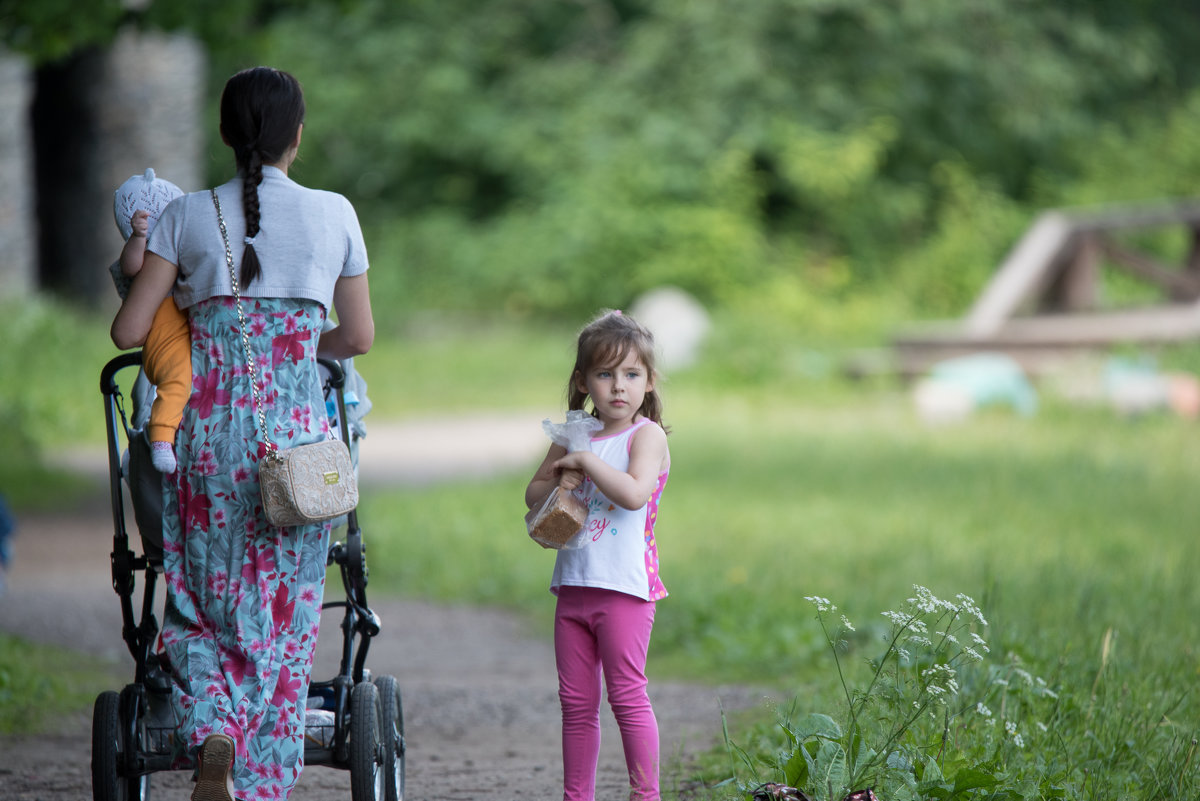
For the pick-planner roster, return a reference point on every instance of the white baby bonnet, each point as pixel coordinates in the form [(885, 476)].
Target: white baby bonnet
[(142, 192)]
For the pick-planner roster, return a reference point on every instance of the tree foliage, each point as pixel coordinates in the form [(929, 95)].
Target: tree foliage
[(552, 157), (557, 156)]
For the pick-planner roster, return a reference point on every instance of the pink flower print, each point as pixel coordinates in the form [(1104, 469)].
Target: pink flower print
[(217, 582), (196, 512), (290, 649), (287, 688), (257, 326), (302, 417), (241, 474), (206, 392), (259, 562), (206, 462), (234, 730), (309, 596), (238, 665), (282, 609)]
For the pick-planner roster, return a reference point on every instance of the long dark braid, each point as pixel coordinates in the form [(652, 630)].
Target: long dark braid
[(261, 111)]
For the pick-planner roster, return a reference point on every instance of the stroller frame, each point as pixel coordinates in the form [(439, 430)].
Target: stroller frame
[(131, 729)]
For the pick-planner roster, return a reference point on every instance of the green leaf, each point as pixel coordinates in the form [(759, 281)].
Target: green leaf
[(797, 768), (816, 725), (973, 779), (830, 769)]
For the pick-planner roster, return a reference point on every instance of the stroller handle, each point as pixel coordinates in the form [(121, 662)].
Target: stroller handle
[(108, 384)]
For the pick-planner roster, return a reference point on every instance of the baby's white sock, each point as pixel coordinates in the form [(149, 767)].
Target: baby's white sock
[(162, 456)]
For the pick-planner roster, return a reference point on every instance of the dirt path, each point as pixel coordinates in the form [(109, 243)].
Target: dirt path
[(479, 690)]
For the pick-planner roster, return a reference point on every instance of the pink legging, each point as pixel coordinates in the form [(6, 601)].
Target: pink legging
[(596, 629)]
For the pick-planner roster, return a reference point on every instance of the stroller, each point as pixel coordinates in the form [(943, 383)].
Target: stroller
[(353, 721)]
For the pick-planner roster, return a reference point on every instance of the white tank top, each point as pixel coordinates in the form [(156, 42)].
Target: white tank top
[(622, 553)]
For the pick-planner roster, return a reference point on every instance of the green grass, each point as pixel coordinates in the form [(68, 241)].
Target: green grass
[(40, 685), (1068, 529), (1071, 529)]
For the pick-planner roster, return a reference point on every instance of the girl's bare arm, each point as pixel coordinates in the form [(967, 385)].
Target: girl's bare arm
[(631, 490), (546, 478)]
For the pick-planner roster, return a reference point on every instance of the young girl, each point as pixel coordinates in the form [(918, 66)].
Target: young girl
[(607, 589)]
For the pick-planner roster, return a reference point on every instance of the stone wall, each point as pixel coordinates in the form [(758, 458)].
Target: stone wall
[(144, 107), (18, 224)]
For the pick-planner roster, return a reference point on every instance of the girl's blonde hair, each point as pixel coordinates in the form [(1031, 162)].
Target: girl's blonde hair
[(606, 341)]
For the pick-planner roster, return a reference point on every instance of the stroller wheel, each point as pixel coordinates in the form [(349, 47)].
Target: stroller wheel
[(366, 777), (392, 736), (110, 748)]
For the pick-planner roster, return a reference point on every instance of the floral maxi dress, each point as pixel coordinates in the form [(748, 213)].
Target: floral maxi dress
[(244, 598)]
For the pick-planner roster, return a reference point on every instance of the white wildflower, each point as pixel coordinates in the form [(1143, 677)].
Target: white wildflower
[(1024, 674), (968, 605), (949, 606), (940, 679), (1043, 726), (822, 604), (1010, 727), (971, 652), (926, 601), (949, 637), (1018, 741), (920, 640), (980, 642), (846, 622), (1000, 682), (983, 710)]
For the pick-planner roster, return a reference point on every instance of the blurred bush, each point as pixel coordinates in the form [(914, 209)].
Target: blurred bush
[(549, 158)]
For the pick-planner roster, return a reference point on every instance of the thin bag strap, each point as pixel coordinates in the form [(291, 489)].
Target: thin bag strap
[(272, 448)]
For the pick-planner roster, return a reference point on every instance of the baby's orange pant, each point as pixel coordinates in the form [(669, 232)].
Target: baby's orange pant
[(167, 360)]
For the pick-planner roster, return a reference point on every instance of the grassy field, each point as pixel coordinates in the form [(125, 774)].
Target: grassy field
[(1073, 531)]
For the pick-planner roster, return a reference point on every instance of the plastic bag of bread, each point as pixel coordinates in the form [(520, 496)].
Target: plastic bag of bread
[(559, 520)]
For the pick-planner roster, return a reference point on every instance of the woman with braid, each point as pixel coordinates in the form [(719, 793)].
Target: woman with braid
[(243, 597)]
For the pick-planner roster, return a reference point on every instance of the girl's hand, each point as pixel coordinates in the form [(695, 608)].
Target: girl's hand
[(570, 478)]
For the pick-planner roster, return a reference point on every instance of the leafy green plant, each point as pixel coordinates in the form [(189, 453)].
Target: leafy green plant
[(920, 726)]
